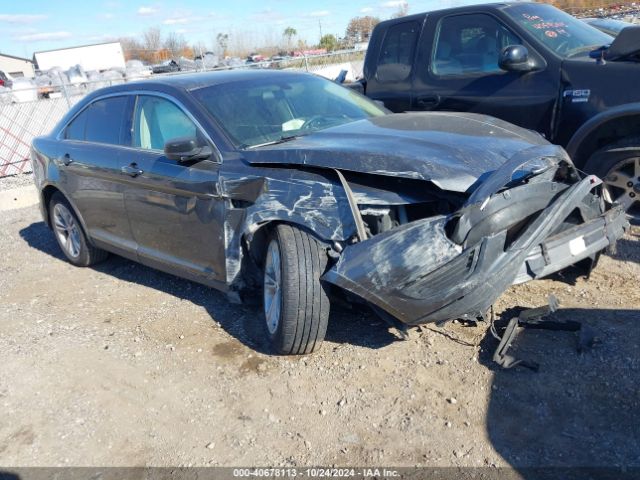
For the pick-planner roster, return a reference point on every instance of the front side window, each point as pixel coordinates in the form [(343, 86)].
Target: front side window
[(557, 30), (396, 55), (158, 120), (104, 121), (470, 45)]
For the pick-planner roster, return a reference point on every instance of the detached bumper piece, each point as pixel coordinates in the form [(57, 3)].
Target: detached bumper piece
[(418, 274), (537, 318)]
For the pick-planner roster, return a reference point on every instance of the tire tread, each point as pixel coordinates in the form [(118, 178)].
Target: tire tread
[(305, 308)]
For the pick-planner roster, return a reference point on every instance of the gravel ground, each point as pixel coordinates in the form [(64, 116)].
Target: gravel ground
[(15, 181), (122, 365)]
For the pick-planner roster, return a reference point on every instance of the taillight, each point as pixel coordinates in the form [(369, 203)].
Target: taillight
[(1, 82)]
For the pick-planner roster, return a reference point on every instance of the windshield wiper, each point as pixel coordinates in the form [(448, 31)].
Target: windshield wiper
[(282, 139)]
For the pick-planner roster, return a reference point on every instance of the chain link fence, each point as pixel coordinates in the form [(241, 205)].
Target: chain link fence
[(26, 113)]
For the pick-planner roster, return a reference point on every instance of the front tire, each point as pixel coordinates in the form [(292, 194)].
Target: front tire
[(618, 165), (69, 234), (296, 304)]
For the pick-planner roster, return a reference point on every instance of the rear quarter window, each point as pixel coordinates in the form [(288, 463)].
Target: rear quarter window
[(75, 129), (396, 54), (101, 122)]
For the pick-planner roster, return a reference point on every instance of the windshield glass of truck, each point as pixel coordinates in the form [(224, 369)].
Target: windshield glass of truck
[(559, 31)]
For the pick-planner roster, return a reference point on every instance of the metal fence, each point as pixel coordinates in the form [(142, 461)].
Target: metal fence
[(25, 115)]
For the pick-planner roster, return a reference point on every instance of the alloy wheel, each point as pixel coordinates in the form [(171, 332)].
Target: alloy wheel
[(272, 287), (622, 185), (67, 230)]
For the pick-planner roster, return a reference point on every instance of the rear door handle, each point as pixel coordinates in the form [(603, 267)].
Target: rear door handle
[(67, 160), (132, 170), (430, 101)]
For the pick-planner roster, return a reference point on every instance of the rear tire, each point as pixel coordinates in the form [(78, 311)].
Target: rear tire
[(618, 164), (296, 304), (69, 234)]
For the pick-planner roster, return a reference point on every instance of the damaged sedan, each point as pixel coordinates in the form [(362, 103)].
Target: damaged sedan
[(292, 186)]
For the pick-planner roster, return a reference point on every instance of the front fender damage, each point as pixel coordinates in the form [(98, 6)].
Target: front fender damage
[(417, 274), (308, 201)]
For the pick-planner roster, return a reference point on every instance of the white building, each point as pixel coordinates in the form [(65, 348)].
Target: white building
[(100, 56), (16, 66)]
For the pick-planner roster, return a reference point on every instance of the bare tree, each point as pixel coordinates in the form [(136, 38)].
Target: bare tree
[(152, 39), (176, 44), (359, 29), (222, 39), (403, 10), (132, 48)]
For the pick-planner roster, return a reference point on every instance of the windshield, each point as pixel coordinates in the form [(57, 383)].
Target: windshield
[(559, 31), (263, 111)]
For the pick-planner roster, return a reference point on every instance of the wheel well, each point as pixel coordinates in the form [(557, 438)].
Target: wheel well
[(47, 193), (253, 247), (605, 134)]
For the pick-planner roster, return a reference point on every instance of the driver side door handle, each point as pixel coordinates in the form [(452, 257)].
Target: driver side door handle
[(132, 170)]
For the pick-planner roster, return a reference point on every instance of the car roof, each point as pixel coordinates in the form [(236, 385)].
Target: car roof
[(194, 81)]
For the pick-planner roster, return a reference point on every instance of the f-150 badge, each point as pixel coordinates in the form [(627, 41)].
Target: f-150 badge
[(577, 96)]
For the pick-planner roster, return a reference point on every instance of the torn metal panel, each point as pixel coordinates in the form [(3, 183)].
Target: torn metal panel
[(312, 201), (524, 164), (417, 274)]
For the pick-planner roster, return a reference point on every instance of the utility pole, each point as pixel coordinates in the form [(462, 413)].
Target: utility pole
[(320, 26)]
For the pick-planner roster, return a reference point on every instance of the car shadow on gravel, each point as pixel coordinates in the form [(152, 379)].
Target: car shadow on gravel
[(578, 410), (355, 325), (627, 250)]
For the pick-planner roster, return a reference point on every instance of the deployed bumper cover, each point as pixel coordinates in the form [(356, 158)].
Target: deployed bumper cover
[(417, 274)]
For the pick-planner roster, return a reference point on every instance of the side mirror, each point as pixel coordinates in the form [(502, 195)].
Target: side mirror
[(186, 149), (515, 58)]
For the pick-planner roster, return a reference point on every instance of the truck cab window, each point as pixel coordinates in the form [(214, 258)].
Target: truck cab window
[(396, 54), (470, 45)]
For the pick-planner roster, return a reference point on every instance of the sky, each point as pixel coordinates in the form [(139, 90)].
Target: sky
[(35, 25)]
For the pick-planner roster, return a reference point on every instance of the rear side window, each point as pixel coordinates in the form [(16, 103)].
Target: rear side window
[(396, 55), (103, 121)]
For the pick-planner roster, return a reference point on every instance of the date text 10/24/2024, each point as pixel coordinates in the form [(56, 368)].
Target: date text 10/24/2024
[(315, 472)]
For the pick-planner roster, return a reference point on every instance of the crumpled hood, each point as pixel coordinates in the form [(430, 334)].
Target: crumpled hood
[(452, 150)]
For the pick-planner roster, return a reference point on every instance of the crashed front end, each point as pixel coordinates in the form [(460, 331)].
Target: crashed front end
[(528, 219)]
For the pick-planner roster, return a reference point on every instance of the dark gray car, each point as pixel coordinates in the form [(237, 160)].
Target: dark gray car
[(294, 185)]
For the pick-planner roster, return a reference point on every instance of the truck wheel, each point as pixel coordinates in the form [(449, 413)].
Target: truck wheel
[(618, 165), (70, 235), (296, 305)]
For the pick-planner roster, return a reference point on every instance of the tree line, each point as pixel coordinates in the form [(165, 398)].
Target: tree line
[(153, 46)]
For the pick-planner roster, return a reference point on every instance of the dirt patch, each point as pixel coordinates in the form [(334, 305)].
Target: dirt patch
[(123, 365)]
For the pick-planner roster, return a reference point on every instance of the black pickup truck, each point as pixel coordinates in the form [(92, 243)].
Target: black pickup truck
[(527, 63)]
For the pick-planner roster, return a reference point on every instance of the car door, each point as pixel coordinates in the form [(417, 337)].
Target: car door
[(457, 70), (174, 208), (91, 150)]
